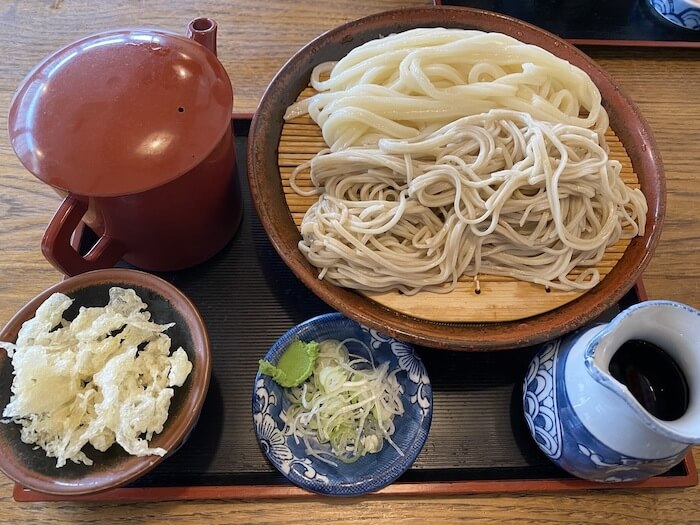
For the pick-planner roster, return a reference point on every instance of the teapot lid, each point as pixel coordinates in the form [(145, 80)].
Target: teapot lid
[(120, 112)]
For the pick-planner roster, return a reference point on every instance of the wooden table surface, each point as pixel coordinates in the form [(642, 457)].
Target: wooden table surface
[(255, 39)]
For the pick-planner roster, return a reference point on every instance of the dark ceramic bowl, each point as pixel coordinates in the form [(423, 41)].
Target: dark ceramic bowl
[(268, 195), (31, 467)]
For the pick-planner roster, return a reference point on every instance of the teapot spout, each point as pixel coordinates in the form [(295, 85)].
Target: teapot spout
[(674, 329), (203, 31)]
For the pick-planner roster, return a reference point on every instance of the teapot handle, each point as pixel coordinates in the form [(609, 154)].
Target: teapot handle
[(56, 243)]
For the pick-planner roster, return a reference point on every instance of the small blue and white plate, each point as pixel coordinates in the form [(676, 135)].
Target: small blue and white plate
[(683, 13), (372, 471)]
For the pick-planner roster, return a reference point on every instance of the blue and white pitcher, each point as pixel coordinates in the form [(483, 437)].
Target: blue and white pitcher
[(590, 423)]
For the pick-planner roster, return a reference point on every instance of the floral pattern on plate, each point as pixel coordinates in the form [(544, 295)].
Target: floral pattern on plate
[(373, 471)]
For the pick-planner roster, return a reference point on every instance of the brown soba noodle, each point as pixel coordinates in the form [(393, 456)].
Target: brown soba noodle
[(455, 152)]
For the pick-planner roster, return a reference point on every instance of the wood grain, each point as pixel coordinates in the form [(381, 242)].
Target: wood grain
[(255, 39)]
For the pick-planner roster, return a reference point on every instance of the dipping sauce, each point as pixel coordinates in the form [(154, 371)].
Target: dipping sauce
[(653, 378)]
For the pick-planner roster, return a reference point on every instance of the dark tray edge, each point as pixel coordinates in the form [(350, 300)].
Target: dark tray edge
[(612, 42), (136, 494)]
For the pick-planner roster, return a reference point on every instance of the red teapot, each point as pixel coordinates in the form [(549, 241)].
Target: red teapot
[(133, 128)]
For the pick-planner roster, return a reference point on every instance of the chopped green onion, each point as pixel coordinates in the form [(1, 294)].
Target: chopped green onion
[(347, 402)]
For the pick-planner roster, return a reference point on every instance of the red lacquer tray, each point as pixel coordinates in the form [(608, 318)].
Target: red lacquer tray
[(248, 298)]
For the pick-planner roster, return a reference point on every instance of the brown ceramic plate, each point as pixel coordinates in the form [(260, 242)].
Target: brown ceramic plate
[(268, 196), (31, 467)]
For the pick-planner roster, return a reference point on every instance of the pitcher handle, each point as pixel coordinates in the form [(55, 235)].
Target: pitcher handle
[(56, 245)]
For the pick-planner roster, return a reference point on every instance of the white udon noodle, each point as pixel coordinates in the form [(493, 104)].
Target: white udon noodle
[(413, 195)]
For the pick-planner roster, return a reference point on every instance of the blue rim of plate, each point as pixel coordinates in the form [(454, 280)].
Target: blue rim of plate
[(377, 470)]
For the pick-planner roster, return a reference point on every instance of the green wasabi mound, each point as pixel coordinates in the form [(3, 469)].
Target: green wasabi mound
[(294, 366)]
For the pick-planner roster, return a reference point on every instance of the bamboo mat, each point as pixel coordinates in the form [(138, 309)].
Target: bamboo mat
[(497, 298)]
